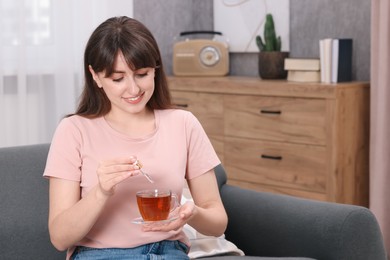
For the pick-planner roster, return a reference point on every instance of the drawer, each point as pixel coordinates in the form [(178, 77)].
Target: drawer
[(280, 190), (208, 108), (276, 164), (285, 119)]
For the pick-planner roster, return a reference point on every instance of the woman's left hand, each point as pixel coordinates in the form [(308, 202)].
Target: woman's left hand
[(185, 213)]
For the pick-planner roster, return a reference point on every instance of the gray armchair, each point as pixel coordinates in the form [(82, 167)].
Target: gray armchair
[(263, 225)]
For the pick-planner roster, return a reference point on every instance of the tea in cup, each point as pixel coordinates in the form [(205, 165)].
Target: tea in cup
[(155, 205)]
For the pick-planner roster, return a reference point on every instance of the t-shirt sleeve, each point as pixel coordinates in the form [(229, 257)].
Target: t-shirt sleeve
[(201, 154), (64, 159)]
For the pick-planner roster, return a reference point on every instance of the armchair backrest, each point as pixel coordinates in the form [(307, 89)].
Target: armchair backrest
[(221, 176), (24, 204)]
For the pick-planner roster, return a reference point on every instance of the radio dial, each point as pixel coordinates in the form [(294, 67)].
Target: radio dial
[(209, 56)]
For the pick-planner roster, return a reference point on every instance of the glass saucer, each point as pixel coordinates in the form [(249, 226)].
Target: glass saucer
[(159, 222)]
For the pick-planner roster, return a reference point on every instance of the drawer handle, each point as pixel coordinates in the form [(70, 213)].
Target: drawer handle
[(181, 105), (275, 112), (264, 156)]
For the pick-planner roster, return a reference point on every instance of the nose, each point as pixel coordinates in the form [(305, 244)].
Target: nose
[(132, 86)]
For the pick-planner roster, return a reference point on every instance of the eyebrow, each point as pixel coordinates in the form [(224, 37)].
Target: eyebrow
[(114, 72), (122, 72), (117, 71)]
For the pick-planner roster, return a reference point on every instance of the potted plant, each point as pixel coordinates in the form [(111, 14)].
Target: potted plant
[(271, 58)]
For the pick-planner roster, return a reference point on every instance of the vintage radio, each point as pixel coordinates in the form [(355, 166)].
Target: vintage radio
[(201, 57)]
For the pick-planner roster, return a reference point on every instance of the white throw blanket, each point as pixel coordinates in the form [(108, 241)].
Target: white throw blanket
[(202, 245)]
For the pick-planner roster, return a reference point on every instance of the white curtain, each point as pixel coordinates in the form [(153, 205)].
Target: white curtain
[(41, 56)]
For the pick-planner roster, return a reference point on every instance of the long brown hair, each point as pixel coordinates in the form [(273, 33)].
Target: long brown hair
[(139, 49)]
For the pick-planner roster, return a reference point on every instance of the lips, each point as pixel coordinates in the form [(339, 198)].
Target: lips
[(134, 100)]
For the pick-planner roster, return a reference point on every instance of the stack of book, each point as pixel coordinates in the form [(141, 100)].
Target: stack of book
[(336, 60), (302, 69)]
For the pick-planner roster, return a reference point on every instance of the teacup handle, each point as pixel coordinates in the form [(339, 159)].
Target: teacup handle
[(174, 202)]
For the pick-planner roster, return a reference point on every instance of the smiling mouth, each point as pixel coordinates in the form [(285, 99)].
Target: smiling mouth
[(134, 99)]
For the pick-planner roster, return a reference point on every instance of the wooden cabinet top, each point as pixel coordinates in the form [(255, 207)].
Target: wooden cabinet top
[(257, 86)]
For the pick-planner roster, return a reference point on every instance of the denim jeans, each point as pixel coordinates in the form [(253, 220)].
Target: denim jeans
[(163, 250)]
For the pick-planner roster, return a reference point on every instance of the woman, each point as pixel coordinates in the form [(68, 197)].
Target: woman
[(125, 115)]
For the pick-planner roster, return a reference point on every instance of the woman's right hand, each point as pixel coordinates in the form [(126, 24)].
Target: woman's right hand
[(112, 172), (71, 218)]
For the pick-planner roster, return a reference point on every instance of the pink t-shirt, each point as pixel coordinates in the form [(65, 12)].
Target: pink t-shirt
[(178, 149)]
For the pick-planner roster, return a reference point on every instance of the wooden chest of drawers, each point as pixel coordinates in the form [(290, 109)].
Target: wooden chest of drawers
[(303, 139)]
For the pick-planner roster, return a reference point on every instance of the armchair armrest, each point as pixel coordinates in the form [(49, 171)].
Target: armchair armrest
[(265, 224)]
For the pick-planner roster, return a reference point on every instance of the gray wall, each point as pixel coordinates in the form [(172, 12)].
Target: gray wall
[(310, 21)]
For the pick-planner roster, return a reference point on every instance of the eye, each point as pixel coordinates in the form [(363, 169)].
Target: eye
[(143, 72), (118, 79), (141, 75)]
